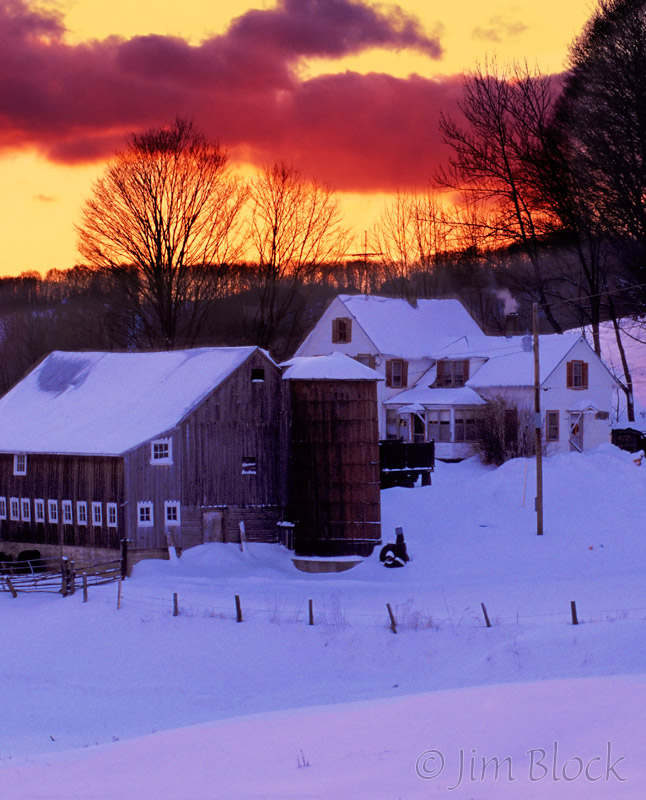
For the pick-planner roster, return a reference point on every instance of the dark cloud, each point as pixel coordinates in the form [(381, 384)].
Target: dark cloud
[(75, 103)]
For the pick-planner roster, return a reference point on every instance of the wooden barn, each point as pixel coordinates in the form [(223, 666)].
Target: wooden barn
[(182, 446)]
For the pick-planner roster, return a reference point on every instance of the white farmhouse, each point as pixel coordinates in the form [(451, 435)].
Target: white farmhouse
[(440, 371)]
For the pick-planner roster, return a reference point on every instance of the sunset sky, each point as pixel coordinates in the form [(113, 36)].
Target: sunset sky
[(348, 91)]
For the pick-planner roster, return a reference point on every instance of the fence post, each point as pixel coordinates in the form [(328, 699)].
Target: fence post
[(64, 583), (238, 609), (71, 576), (124, 559), (14, 593), (393, 624), (486, 616), (85, 587), (311, 604), (119, 595), (575, 618), (175, 605)]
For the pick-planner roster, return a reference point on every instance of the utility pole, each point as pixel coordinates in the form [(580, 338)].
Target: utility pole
[(538, 426)]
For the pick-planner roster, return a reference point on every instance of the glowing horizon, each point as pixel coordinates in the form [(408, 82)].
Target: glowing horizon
[(348, 91)]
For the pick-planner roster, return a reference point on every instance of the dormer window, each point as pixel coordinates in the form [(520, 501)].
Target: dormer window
[(20, 464), (452, 374), (257, 374), (161, 451), (341, 330)]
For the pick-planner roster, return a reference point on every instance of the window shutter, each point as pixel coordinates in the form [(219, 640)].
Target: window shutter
[(372, 362), (348, 330), (465, 370), (569, 381), (584, 374), (335, 331), (389, 373), (404, 374), (439, 380)]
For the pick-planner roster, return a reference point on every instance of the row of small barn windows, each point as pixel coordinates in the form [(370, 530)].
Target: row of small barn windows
[(20, 511)]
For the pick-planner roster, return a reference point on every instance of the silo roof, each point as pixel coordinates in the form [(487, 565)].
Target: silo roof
[(334, 367)]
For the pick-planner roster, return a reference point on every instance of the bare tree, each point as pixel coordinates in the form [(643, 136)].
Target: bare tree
[(295, 227), (494, 162), (163, 222)]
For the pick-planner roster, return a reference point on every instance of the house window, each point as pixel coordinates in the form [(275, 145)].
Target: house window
[(397, 373), (341, 330), (258, 374), (68, 519), (145, 517), (52, 511), (172, 512), (81, 512), (39, 510), (452, 374), (97, 514), (14, 509), (25, 509), (577, 375), (551, 426), (465, 428), (248, 465), (3, 508), (161, 451), (439, 425), (20, 464), (366, 359), (111, 510)]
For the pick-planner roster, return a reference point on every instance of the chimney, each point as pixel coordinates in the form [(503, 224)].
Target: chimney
[(512, 324)]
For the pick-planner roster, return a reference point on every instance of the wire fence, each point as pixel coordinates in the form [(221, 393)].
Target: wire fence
[(333, 613)]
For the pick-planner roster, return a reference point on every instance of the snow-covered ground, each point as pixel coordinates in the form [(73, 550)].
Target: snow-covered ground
[(136, 703)]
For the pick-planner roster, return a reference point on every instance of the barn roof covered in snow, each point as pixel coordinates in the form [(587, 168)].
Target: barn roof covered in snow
[(335, 367), (399, 328), (101, 403)]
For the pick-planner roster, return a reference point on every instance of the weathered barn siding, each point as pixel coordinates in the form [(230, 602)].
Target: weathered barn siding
[(149, 482), (335, 499), (74, 478), (211, 470)]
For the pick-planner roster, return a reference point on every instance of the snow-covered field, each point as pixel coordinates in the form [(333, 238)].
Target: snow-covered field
[(98, 702)]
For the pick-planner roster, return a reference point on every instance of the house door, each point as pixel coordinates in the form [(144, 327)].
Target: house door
[(576, 432), (212, 527)]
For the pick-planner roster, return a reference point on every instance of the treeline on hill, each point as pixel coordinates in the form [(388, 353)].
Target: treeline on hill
[(87, 309)]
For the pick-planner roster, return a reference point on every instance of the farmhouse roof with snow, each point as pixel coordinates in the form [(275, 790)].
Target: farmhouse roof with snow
[(102, 403), (398, 328), (510, 361)]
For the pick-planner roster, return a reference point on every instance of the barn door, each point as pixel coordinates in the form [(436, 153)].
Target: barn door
[(212, 527), (576, 432)]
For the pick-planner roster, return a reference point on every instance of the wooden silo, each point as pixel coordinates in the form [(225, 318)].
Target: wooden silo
[(334, 475)]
